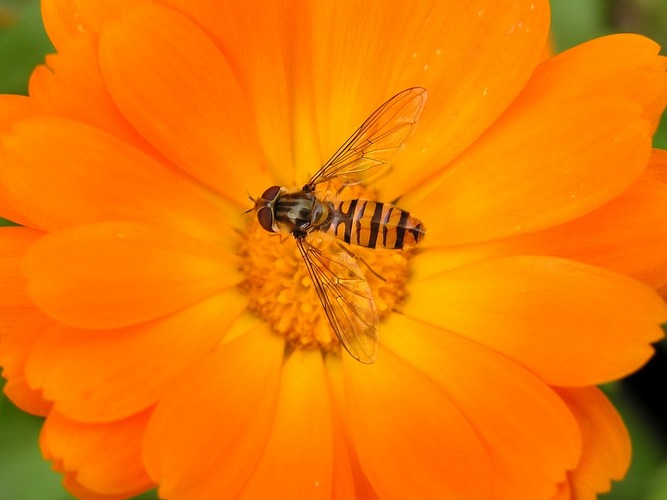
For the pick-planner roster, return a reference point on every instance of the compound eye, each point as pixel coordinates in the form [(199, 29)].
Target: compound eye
[(265, 218), (271, 193)]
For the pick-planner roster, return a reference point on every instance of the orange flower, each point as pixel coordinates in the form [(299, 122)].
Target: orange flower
[(131, 312)]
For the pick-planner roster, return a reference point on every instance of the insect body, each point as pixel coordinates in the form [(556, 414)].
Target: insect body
[(370, 224), (373, 224), (340, 285)]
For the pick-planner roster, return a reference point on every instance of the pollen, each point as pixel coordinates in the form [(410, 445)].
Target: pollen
[(281, 291)]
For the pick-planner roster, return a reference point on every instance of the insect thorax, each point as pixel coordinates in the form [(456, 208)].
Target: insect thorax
[(300, 211)]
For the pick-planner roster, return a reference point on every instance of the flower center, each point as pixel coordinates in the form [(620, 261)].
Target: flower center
[(281, 291)]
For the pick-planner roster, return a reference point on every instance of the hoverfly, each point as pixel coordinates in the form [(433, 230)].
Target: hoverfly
[(341, 287)]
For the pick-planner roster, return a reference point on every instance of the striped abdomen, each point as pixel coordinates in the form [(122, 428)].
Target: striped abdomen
[(374, 224)]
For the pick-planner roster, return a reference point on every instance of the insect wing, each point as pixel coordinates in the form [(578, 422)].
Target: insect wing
[(346, 298), (368, 152)]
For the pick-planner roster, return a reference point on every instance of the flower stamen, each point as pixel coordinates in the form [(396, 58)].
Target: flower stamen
[(281, 291)]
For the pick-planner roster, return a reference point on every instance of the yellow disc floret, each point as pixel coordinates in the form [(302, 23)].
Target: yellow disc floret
[(281, 291)]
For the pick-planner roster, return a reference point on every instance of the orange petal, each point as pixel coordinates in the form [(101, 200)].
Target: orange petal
[(657, 167), (217, 418), (20, 321), (258, 39), (303, 61), (403, 425), (24, 397), (514, 180), (14, 241), (563, 493), (110, 275), (175, 86), (531, 171), (70, 85), (349, 481), (104, 458), (82, 370), (298, 458), (606, 443), (77, 490), (473, 58), (102, 179), (15, 347), (531, 442), (71, 19), (570, 323), (627, 236), (8, 209), (12, 108), (622, 65)]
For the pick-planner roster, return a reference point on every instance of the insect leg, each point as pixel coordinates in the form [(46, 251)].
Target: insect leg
[(356, 257)]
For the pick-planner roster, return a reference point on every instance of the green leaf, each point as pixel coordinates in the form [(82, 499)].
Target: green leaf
[(24, 474), (23, 44)]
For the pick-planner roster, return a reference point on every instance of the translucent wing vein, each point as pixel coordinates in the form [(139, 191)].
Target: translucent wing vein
[(368, 152), (346, 298)]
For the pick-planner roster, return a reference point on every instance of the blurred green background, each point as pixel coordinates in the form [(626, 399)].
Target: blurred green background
[(24, 475)]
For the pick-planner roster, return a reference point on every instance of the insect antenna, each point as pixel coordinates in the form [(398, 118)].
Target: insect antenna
[(251, 199)]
